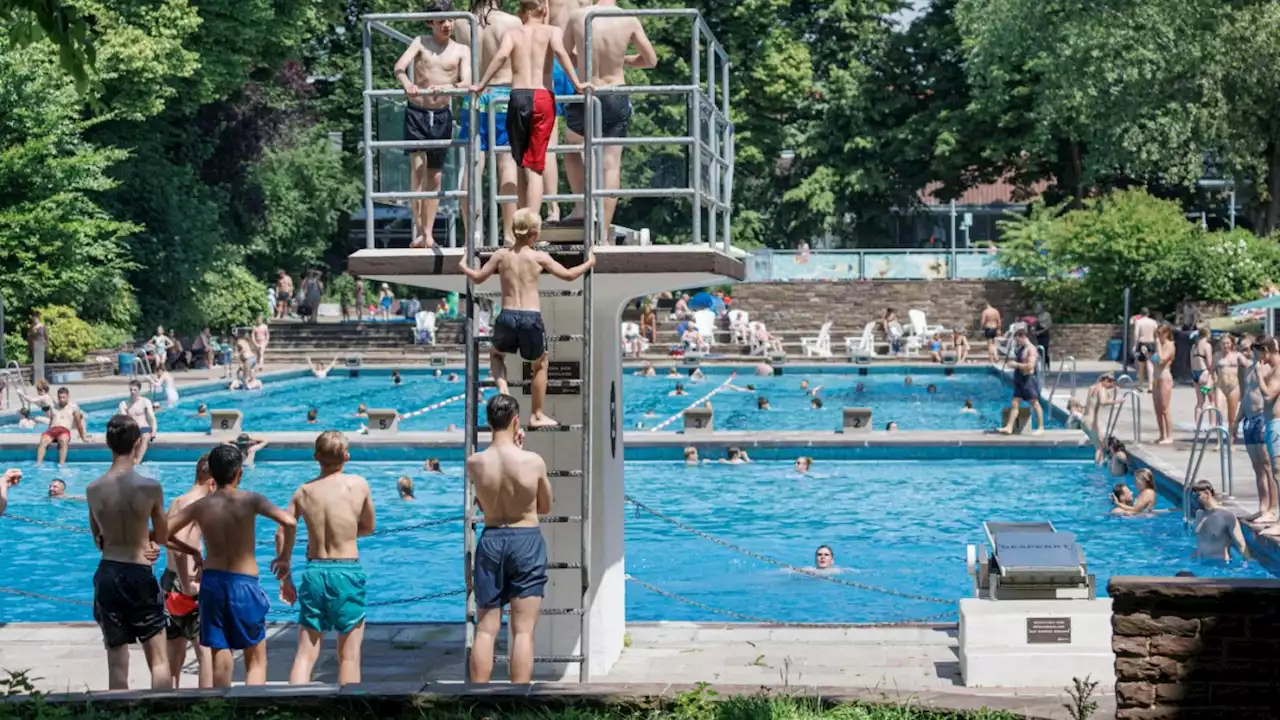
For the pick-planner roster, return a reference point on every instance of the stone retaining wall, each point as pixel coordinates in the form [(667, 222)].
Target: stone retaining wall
[(1196, 648), (1083, 342)]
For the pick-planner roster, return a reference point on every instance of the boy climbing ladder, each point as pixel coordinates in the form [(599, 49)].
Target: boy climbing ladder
[(519, 326)]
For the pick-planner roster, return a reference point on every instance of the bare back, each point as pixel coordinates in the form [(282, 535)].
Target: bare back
[(511, 486), (338, 509), (533, 50), (610, 39), (228, 519), (493, 26), (122, 508), (559, 11), (1145, 329), (518, 271), (181, 563), (991, 318)]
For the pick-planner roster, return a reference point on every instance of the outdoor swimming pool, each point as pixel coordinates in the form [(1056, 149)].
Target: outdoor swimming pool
[(282, 404), (897, 525)]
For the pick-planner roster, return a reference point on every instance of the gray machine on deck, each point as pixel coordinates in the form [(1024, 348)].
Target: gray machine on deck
[(1029, 561)]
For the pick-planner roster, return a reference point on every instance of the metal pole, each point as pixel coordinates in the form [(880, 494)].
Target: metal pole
[(368, 138), (695, 125), (1232, 210), (726, 149), (490, 118), (952, 269), (1124, 323)]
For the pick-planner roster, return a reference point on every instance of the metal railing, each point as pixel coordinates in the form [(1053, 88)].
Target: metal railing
[(13, 381), (1057, 379), (1135, 408), (1199, 445), (875, 264)]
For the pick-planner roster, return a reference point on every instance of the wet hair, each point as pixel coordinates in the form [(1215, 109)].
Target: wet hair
[(25, 412), (808, 463), (433, 464), (679, 385), (733, 452), (331, 447), (1143, 476), (859, 387), (968, 403), (122, 434), (500, 411), (135, 384), (827, 548), (1203, 486), (690, 451), (63, 391), (762, 402), (224, 464), (751, 387), (312, 414), (203, 408), (1118, 490), (404, 486), (932, 388), (202, 468), (890, 425), (527, 222), (816, 403)]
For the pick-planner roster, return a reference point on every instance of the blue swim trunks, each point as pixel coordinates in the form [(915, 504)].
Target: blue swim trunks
[(233, 611), (562, 85), (510, 563), (1272, 436), (499, 118), (331, 596), (1254, 429)]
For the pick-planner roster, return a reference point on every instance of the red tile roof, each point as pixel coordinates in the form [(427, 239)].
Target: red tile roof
[(997, 193)]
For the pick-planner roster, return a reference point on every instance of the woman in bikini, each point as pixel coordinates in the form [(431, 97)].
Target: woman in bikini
[(1202, 370), (1162, 385), (1227, 380)]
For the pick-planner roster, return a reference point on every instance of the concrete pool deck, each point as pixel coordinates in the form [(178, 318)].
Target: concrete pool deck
[(894, 664)]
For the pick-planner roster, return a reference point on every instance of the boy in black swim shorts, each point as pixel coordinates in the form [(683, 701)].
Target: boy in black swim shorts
[(519, 327)]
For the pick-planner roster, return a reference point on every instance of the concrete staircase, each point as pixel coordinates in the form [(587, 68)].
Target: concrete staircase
[(375, 342)]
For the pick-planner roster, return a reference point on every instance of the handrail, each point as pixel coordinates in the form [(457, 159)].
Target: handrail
[(1135, 408), (1057, 379), (1198, 447)]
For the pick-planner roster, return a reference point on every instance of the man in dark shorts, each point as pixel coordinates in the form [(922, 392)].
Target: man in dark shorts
[(611, 37), (1026, 383), (519, 327), (182, 587), (510, 566), (438, 63), (531, 114), (126, 519), (991, 330)]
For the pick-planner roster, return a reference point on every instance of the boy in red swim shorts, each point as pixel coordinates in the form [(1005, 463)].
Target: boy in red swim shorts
[(531, 115)]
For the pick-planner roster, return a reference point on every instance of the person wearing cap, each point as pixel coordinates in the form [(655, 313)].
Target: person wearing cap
[(1217, 528), (248, 447), (1101, 394)]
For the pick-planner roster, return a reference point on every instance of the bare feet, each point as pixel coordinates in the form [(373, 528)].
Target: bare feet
[(1253, 516), (540, 419), (1267, 518), (422, 241), (1165, 441), (1272, 531), (1038, 432), (1006, 431)]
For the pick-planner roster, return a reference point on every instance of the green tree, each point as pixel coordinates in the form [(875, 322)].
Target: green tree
[(230, 297), (63, 24), (70, 338)]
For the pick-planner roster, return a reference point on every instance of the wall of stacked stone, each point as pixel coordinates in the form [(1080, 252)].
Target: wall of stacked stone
[(1083, 342), (1196, 648)]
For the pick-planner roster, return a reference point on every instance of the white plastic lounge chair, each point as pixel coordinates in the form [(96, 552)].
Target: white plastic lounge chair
[(738, 320), (632, 342), (820, 345), (705, 322), (426, 328), (920, 324)]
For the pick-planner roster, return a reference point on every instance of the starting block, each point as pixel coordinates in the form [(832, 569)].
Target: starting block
[(225, 422), (699, 419), (856, 419), (383, 422)]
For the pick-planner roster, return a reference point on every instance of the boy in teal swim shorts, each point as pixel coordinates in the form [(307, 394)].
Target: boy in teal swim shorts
[(338, 509)]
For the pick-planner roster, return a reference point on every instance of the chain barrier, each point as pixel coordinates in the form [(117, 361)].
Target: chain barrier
[(808, 572), (43, 523), (50, 598), (419, 526), (781, 623)]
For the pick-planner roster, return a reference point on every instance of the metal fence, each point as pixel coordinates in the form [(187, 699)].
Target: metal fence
[(873, 264)]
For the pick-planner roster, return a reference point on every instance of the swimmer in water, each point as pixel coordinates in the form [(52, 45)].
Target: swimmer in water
[(1146, 501), (891, 427), (432, 465), (1117, 458), (321, 370), (968, 407), (395, 377), (453, 378), (908, 381), (859, 388), (673, 372), (697, 374), (26, 423), (734, 456), (803, 463), (763, 369), (362, 410), (647, 370), (678, 391), (691, 455), (11, 477), (1075, 413), (762, 403), (815, 403), (404, 486), (932, 389), (202, 411), (824, 558), (248, 447), (312, 416), (1217, 528)]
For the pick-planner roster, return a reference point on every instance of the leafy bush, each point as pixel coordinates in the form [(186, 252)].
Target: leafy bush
[(15, 347), (233, 297), (70, 338), (110, 337), (1080, 261)]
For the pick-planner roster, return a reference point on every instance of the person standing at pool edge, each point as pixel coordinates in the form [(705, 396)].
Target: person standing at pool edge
[(519, 326), (512, 489), (338, 510), (182, 588), (1026, 384), (1253, 427), (233, 608)]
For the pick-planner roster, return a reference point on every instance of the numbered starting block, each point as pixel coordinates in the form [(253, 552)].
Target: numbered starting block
[(860, 357), (856, 419), (699, 419), (438, 360), (692, 359), (383, 422), (949, 357), (777, 361), (1024, 418), (353, 364), (225, 422)]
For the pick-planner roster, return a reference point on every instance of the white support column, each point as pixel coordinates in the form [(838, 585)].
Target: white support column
[(607, 602)]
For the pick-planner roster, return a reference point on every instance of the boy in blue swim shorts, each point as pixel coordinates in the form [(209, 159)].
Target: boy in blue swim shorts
[(338, 509), (233, 607)]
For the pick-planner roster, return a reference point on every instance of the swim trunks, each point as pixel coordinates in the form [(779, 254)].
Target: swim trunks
[(510, 563), (499, 119), (331, 596), (521, 330), (428, 124), (990, 333), (54, 433), (1254, 429), (1145, 351), (144, 430), (563, 86), (615, 115), (233, 611), (127, 603), (1272, 437), (183, 609), (1026, 387), (531, 117), (282, 297)]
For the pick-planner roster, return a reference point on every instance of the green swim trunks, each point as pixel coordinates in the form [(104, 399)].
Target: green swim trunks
[(331, 595)]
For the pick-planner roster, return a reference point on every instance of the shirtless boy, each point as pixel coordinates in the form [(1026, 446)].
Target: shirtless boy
[(1101, 394), (519, 326), (126, 519), (284, 294), (1026, 384), (439, 63), (338, 509), (1144, 347), (990, 329), (63, 415), (531, 116), (142, 412), (611, 37), (1270, 382), (233, 607), (494, 24), (1254, 377), (558, 12), (512, 489), (181, 585)]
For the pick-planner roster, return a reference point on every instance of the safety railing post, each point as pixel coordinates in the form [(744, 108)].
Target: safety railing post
[(726, 147), (695, 125), (367, 41)]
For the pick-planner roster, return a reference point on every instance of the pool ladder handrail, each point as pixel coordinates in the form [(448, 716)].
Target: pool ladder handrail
[(140, 356), (1057, 379), (12, 370), (1199, 445), (1136, 409)]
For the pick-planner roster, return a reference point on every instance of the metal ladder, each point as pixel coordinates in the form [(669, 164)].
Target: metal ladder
[(1199, 445), (13, 381), (1057, 378), (1136, 409)]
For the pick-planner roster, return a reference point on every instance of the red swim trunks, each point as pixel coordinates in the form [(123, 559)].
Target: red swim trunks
[(54, 433), (531, 116)]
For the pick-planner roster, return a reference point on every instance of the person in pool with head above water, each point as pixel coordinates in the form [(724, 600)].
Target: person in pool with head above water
[(404, 487), (519, 327), (248, 447), (1216, 527), (531, 114), (1145, 503)]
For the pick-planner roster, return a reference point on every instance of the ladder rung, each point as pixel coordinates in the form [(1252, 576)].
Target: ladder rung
[(531, 429), (550, 338), (543, 658), (564, 566), (529, 383), (541, 293), (564, 473)]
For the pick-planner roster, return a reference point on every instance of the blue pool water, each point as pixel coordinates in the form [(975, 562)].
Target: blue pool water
[(897, 525), (282, 404)]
